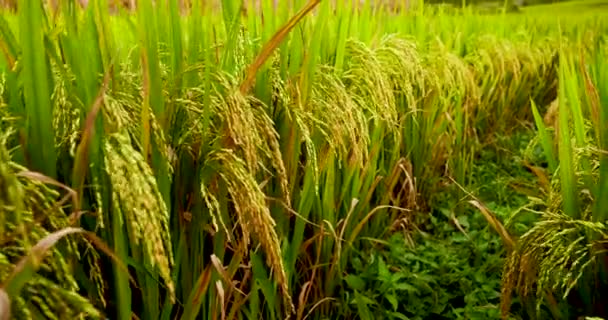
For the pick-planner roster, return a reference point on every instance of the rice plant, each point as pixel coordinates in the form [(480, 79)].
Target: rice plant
[(564, 252), (228, 160)]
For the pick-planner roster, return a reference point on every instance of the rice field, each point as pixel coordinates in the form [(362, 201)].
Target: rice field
[(305, 160)]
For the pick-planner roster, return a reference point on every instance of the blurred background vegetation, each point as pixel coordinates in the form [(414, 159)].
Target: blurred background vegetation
[(406, 3)]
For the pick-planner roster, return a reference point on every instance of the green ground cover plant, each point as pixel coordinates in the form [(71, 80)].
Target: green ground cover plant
[(312, 160)]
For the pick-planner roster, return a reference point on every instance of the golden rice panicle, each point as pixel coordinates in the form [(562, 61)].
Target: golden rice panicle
[(66, 115), (34, 212), (11, 192), (509, 280), (242, 55), (453, 75), (274, 153), (213, 206), (279, 95), (247, 129), (47, 216), (20, 309), (369, 83), (285, 94), (239, 128), (333, 114), (136, 195), (452, 90), (403, 67), (56, 303), (253, 214), (551, 257)]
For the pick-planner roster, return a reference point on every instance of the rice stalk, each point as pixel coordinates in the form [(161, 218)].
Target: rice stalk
[(145, 213), (252, 212)]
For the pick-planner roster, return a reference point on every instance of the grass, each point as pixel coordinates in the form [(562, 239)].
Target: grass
[(316, 160), (568, 7)]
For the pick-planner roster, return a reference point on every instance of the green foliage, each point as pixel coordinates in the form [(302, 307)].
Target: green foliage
[(450, 267), (239, 161), (436, 279)]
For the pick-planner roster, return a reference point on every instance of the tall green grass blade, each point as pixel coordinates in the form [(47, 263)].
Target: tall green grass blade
[(574, 99), (600, 213), (566, 151), (176, 44), (195, 300), (273, 43), (343, 31), (37, 89), (545, 139), (154, 100), (8, 43), (267, 287), (312, 60), (232, 26), (120, 244)]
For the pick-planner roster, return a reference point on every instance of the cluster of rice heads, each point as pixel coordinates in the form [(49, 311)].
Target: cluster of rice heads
[(562, 257), (29, 211), (510, 73), (193, 181)]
